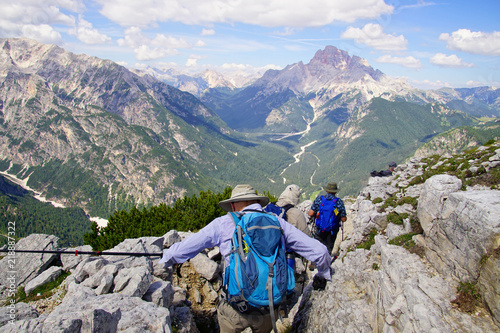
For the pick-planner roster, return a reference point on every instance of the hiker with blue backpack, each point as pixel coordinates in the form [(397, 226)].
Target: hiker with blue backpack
[(285, 208), (329, 212), (256, 275)]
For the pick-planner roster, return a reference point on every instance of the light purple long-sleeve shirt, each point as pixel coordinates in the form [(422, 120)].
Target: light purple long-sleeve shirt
[(220, 231)]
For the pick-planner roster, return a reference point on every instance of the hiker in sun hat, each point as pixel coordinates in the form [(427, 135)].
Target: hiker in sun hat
[(329, 236), (219, 233)]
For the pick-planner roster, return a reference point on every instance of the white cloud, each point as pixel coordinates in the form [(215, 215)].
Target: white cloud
[(86, 33), (207, 32), (442, 60), (409, 62), (193, 60), (269, 13), (133, 38), (150, 49), (373, 35), (145, 53), (474, 83), (42, 33), (476, 42), (169, 42), (33, 19), (427, 84), (200, 43)]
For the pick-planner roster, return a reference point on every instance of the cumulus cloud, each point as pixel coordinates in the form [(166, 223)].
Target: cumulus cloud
[(443, 60), (43, 33), (170, 42), (373, 35), (86, 33), (409, 62), (472, 83), (145, 53), (200, 43), (33, 19), (476, 42), (133, 38), (146, 48), (193, 60), (274, 13)]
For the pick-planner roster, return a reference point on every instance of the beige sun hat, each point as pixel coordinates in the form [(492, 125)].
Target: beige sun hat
[(243, 193), (291, 195), (331, 187)]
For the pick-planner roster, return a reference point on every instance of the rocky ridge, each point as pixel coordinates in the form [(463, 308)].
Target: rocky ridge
[(414, 248), (411, 242)]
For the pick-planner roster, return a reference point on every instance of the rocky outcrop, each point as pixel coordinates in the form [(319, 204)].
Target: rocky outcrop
[(422, 255), (27, 266)]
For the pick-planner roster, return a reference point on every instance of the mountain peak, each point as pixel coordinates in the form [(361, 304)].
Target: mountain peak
[(331, 56)]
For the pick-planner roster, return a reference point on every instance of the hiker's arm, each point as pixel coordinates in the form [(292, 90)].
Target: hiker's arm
[(191, 246), (314, 207), (342, 211), (309, 248)]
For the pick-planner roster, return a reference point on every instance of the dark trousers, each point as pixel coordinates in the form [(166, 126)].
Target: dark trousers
[(328, 238)]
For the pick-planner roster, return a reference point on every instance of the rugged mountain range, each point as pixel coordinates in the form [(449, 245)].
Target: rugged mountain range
[(89, 132), (86, 131), (198, 83), (332, 81)]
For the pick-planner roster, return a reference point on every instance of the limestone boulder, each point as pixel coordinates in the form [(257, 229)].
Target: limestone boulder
[(70, 261), (150, 245), (434, 193), (29, 265), (133, 281), (49, 275), (205, 267)]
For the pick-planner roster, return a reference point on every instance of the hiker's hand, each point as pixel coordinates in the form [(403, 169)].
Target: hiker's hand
[(166, 263), (319, 282)]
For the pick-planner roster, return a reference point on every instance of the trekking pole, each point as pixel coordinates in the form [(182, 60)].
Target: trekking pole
[(96, 253)]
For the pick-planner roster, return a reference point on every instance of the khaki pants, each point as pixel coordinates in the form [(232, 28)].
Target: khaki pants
[(231, 320)]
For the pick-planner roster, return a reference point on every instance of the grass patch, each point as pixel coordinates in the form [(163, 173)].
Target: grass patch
[(369, 240), (468, 297), (394, 202), (377, 200), (460, 167), (495, 254), (41, 292), (396, 218), (408, 243)]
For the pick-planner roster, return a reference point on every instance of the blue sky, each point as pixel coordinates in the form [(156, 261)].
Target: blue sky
[(432, 44)]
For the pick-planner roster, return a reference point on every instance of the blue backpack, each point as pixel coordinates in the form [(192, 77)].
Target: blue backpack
[(328, 217), (258, 274), (280, 211)]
